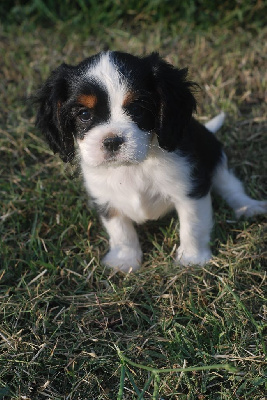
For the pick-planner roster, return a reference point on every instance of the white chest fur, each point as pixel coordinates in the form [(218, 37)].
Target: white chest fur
[(144, 191)]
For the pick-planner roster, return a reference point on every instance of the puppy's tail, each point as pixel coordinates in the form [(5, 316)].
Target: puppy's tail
[(232, 191), (216, 123), (229, 186)]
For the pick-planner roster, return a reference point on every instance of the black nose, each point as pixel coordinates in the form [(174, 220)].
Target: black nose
[(112, 144)]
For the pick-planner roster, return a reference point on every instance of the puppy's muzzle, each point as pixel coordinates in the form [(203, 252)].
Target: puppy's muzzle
[(113, 144)]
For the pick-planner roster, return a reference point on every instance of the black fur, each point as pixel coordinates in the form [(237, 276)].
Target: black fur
[(50, 98), (167, 95), (177, 102)]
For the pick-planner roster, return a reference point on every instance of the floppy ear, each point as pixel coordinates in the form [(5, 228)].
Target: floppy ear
[(49, 120), (177, 102)]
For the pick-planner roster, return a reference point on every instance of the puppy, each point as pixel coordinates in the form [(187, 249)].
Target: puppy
[(129, 121)]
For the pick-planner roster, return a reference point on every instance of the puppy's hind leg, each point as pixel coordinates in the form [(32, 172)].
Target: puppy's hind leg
[(232, 191)]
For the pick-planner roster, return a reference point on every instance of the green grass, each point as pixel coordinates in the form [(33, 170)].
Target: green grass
[(95, 15), (71, 329)]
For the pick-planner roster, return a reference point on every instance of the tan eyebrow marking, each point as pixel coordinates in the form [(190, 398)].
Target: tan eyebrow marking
[(88, 100), (130, 96)]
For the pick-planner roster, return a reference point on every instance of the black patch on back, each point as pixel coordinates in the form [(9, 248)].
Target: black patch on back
[(204, 153)]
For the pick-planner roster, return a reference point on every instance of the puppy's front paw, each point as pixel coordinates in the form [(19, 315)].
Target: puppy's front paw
[(185, 258), (125, 259)]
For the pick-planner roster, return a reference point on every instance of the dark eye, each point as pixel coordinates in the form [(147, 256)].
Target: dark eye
[(136, 110), (85, 116)]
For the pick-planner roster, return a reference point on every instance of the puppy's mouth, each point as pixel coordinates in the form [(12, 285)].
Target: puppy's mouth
[(117, 160)]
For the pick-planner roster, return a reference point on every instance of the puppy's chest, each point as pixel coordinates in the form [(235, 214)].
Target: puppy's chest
[(132, 194), (142, 205)]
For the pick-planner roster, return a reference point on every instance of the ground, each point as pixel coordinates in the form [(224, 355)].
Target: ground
[(64, 318)]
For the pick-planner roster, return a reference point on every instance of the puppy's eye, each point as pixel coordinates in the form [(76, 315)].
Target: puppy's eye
[(85, 116), (136, 110)]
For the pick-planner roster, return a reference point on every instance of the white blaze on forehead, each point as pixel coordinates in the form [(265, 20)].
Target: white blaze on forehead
[(106, 74)]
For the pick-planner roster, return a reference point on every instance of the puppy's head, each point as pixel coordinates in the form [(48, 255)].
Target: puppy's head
[(111, 105)]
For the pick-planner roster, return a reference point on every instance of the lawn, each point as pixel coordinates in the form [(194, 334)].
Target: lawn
[(71, 329)]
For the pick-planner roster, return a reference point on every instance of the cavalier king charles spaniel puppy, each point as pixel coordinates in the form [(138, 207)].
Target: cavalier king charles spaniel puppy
[(128, 121)]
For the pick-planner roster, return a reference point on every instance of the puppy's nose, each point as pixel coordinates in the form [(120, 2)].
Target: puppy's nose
[(112, 144)]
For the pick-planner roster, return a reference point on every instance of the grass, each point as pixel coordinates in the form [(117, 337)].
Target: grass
[(95, 15), (71, 329)]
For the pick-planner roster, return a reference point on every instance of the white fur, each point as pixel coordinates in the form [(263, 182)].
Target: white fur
[(146, 191), (145, 182), (134, 150), (108, 76), (131, 189), (125, 251), (195, 218)]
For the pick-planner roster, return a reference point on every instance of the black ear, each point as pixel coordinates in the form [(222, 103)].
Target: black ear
[(177, 102), (50, 120)]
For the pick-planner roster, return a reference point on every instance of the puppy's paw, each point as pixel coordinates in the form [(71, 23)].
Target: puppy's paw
[(185, 258), (255, 207), (124, 259)]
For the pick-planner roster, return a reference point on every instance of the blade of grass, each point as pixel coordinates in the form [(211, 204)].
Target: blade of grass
[(122, 379), (157, 371)]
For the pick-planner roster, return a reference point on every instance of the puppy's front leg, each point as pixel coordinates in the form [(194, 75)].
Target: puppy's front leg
[(125, 253), (195, 216)]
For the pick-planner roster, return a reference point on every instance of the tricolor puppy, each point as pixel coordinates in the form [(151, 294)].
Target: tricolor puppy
[(129, 121)]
